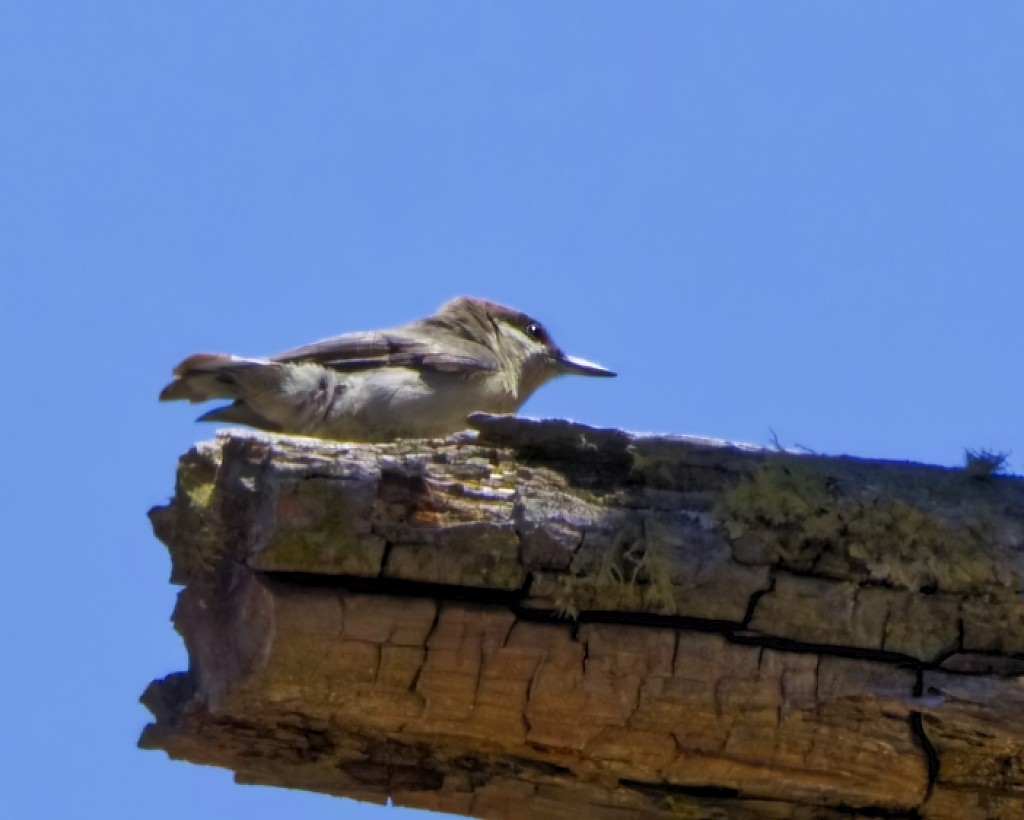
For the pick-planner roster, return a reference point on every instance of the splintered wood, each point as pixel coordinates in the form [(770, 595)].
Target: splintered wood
[(553, 621)]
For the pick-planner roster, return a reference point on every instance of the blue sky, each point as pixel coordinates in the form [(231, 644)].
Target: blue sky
[(798, 216)]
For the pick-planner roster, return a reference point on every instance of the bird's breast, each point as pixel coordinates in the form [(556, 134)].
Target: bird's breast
[(406, 403)]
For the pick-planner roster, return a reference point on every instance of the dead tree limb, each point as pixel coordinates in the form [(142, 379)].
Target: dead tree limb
[(548, 620)]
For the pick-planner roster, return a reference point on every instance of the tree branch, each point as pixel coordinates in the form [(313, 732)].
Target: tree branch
[(552, 620)]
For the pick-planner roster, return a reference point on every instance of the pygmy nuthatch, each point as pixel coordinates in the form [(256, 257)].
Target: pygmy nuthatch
[(418, 380)]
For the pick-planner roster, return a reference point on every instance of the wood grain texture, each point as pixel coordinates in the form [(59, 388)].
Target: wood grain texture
[(548, 620)]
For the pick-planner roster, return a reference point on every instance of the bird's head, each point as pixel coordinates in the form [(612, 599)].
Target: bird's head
[(522, 344)]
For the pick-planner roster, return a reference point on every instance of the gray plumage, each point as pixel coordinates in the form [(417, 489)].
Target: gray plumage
[(418, 380)]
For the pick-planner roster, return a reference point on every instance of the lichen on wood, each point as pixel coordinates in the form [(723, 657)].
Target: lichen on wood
[(543, 619)]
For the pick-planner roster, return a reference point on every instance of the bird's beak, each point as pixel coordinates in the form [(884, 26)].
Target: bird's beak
[(570, 365)]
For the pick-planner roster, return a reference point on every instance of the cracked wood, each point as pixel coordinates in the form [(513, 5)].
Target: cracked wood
[(545, 617)]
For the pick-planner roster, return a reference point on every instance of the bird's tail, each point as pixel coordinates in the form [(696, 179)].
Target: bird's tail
[(207, 376)]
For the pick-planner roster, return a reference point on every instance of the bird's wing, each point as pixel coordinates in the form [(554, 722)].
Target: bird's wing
[(365, 350)]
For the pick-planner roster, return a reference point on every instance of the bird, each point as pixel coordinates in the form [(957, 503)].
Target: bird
[(418, 380)]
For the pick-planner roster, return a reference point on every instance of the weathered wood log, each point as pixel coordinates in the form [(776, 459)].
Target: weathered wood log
[(548, 620)]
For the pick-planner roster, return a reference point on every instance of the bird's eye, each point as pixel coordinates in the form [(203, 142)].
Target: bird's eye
[(535, 330)]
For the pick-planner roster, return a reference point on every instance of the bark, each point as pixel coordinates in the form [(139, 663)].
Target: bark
[(547, 620)]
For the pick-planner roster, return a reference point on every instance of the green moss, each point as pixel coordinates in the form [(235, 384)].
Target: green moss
[(794, 506), (196, 511), (630, 573), (324, 550), (983, 464), (505, 573), (791, 513), (321, 528), (197, 483)]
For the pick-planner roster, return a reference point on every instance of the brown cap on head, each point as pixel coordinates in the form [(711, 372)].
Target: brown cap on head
[(569, 365)]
